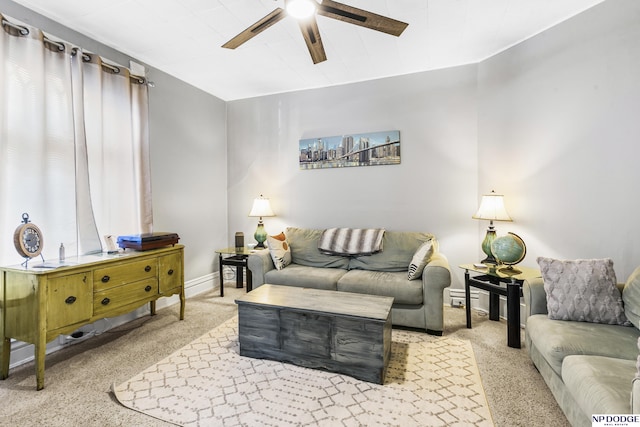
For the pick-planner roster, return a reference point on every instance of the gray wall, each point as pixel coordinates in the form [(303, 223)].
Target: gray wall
[(189, 169), (433, 189), (558, 133), (188, 152), (552, 123)]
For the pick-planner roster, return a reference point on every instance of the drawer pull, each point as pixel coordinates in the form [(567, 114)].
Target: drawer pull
[(148, 288), (70, 300), (170, 272), (105, 301), (147, 268), (105, 279)]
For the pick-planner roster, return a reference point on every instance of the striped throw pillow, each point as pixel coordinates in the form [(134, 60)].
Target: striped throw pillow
[(420, 259)]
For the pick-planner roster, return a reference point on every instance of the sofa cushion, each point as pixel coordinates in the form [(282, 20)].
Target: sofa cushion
[(304, 249), (556, 340), (383, 283), (305, 276), (599, 385), (279, 250), (631, 298), (635, 388), (420, 259), (583, 290), (398, 248)]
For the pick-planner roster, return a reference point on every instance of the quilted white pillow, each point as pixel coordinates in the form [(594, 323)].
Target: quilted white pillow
[(582, 290), (420, 259), (279, 250)]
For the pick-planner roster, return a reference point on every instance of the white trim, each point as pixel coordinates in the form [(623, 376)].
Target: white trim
[(457, 297)]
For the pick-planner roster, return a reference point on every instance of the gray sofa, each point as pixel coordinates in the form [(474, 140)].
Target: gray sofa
[(417, 303), (589, 367)]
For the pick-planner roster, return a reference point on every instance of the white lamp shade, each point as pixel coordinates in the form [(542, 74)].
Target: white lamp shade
[(492, 208), (261, 207)]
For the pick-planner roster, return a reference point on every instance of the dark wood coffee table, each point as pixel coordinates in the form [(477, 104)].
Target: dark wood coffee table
[(340, 332)]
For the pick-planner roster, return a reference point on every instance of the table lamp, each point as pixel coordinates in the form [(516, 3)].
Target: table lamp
[(261, 207), (491, 208)]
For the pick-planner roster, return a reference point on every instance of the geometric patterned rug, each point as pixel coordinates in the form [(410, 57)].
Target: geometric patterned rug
[(431, 381)]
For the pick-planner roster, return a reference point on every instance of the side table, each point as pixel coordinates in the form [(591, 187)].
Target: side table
[(237, 257), (499, 281)]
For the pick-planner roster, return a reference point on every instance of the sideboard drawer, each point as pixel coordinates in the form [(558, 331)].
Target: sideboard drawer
[(109, 277), (69, 300), (110, 299), (170, 274)]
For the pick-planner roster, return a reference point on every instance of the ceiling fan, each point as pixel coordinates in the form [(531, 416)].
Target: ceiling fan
[(305, 11)]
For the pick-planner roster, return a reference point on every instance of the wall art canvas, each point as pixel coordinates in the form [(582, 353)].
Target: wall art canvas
[(363, 149)]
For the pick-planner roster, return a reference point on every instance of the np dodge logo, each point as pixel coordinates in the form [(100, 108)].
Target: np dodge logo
[(617, 420)]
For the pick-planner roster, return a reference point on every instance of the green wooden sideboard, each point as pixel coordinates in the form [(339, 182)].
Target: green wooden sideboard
[(40, 301)]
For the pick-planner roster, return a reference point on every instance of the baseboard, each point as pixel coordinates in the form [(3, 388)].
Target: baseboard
[(457, 298), (480, 302), (192, 288), (22, 352)]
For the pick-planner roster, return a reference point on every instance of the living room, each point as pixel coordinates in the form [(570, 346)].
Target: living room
[(530, 123), (550, 123)]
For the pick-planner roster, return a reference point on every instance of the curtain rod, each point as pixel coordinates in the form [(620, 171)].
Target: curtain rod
[(23, 30), (61, 47), (85, 57), (115, 69)]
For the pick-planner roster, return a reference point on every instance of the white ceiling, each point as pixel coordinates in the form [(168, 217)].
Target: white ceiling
[(183, 38)]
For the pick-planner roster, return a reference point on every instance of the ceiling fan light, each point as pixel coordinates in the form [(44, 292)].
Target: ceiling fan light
[(301, 9)]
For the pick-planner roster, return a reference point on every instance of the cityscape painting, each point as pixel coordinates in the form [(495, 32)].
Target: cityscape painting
[(365, 149)]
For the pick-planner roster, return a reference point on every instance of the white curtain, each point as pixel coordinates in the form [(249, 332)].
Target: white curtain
[(115, 108), (73, 145)]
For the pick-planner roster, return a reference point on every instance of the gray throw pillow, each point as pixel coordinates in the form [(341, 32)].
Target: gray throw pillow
[(582, 290)]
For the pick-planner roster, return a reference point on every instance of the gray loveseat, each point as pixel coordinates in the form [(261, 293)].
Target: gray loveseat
[(417, 303), (589, 367)]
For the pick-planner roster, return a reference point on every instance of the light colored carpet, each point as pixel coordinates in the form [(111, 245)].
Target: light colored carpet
[(78, 378), (431, 381)]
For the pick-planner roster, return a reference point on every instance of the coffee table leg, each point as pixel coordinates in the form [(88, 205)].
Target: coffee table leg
[(513, 314)]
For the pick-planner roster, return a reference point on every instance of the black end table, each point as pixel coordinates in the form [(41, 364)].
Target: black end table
[(499, 280), (237, 257)]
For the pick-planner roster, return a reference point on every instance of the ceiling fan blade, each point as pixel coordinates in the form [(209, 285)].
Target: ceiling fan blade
[(353, 15), (256, 28), (311, 34)]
